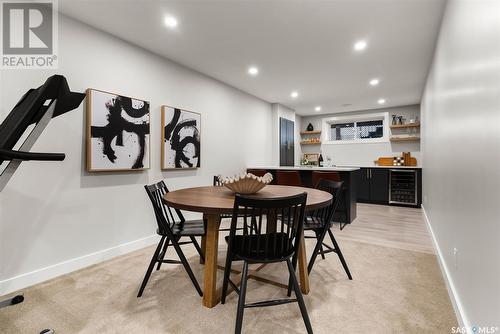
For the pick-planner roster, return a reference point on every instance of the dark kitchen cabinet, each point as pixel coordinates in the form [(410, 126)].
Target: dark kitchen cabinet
[(287, 140), (362, 185), (379, 185), (373, 185)]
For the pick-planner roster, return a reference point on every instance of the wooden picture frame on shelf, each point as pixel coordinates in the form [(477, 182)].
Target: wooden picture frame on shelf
[(312, 157)]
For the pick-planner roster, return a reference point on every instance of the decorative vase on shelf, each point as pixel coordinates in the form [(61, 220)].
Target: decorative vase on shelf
[(310, 127), (394, 120)]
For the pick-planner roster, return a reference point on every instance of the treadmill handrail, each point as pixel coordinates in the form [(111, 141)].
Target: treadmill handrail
[(26, 156)]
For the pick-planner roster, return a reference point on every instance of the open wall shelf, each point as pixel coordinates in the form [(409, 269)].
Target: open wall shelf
[(405, 126), (409, 132), (407, 138), (310, 132), (311, 137)]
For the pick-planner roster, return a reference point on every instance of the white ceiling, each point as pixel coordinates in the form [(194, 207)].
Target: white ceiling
[(297, 45)]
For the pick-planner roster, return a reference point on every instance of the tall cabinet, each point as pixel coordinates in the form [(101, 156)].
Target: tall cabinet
[(287, 142)]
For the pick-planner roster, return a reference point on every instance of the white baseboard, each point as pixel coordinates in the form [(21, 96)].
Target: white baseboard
[(455, 299), (24, 280)]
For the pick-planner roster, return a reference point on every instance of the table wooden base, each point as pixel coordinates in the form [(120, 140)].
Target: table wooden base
[(210, 297), (210, 246), (302, 264)]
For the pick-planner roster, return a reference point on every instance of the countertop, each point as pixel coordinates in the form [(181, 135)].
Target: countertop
[(392, 167), (334, 168)]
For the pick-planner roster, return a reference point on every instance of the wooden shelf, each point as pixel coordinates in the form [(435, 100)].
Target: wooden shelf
[(310, 132), (405, 126), (409, 138), (309, 143)]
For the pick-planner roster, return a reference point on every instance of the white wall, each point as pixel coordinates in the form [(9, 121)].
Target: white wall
[(55, 212), (364, 154), (278, 111), (461, 151)]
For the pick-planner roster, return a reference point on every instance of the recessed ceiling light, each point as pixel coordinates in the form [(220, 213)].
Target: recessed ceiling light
[(381, 101), (374, 82), (294, 94), (253, 70), (360, 45), (317, 108), (170, 21)]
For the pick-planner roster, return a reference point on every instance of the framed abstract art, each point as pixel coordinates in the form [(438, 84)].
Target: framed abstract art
[(118, 131), (180, 138)]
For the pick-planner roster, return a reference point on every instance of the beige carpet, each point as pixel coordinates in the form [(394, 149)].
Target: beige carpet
[(393, 291)]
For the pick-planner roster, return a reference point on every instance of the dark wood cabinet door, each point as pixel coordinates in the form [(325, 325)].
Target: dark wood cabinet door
[(287, 140), (291, 144), (363, 185), (379, 185), (283, 141)]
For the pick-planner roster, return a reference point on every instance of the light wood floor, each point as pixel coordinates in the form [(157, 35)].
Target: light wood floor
[(389, 226)]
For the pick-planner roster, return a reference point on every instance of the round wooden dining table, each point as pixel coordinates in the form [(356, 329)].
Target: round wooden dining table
[(213, 201)]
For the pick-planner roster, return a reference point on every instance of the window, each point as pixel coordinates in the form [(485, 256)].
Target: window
[(356, 128), (370, 129), (343, 131)]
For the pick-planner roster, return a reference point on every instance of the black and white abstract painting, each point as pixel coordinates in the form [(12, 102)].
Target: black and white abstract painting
[(118, 129), (180, 145)]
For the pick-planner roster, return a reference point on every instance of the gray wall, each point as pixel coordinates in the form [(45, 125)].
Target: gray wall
[(55, 217), (364, 154), (461, 151)]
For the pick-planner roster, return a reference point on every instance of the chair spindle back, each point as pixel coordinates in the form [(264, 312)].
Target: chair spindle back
[(272, 224), (166, 217), (335, 189)]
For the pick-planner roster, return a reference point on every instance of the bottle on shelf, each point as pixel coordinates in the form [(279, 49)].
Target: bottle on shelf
[(320, 160)]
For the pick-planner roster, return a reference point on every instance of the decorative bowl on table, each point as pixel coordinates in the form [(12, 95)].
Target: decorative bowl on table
[(246, 183)]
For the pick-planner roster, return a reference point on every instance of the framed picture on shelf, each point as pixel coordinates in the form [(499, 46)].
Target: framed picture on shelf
[(312, 158), (180, 138), (118, 131)]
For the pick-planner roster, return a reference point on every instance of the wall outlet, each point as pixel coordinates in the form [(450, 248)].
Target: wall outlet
[(455, 257)]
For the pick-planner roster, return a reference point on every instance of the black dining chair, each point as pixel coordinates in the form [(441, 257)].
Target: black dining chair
[(343, 206), (276, 238), (320, 222), (172, 226), (218, 183)]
